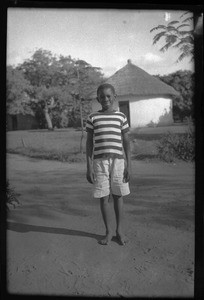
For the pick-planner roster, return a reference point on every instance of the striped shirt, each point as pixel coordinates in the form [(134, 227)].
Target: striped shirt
[(107, 128)]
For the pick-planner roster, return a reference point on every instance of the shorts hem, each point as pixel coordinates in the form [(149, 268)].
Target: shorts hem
[(111, 193), (101, 196), (121, 194)]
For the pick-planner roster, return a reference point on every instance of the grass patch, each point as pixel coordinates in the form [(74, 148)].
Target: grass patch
[(63, 144), (60, 144), (143, 149), (49, 155)]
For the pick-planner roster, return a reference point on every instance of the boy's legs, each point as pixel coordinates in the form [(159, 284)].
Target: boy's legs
[(118, 207), (119, 189), (106, 214)]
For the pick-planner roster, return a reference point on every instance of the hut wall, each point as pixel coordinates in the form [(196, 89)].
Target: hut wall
[(151, 112)]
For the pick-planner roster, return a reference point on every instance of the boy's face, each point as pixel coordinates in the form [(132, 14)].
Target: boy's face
[(106, 98)]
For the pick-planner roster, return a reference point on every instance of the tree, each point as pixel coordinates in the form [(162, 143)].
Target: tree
[(183, 82), (58, 78), (39, 69), (179, 35), (18, 93), (46, 99), (46, 74), (87, 77)]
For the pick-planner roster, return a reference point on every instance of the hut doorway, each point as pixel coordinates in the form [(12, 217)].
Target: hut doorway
[(124, 108)]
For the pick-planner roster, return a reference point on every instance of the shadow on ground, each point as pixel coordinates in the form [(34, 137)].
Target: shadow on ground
[(23, 228), (20, 227)]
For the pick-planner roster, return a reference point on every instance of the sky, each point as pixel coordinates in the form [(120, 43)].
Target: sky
[(104, 38)]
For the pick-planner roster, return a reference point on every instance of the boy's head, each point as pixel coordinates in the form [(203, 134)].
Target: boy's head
[(106, 96)]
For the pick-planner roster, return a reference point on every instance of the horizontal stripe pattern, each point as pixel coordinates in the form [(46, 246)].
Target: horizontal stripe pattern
[(113, 140), (110, 120), (107, 136), (108, 132), (107, 129), (107, 155), (101, 126), (107, 144), (101, 151), (109, 147)]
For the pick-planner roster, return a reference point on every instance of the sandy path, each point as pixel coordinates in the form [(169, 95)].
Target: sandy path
[(52, 236)]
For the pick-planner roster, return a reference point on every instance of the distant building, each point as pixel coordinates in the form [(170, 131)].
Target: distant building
[(21, 122), (145, 100)]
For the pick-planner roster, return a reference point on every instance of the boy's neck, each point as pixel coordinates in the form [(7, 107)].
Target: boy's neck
[(108, 110)]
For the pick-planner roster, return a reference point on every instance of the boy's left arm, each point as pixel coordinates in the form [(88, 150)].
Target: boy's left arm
[(126, 146)]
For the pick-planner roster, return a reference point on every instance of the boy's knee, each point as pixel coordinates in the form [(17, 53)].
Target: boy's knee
[(105, 200), (116, 197)]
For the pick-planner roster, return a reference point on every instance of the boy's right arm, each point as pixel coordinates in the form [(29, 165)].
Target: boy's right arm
[(89, 157)]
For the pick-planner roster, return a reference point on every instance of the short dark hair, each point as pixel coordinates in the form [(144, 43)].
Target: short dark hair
[(105, 86)]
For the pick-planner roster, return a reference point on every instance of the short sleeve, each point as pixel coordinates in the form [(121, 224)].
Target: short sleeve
[(125, 126), (89, 124)]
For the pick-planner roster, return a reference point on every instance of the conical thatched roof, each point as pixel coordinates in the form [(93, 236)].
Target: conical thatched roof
[(132, 80)]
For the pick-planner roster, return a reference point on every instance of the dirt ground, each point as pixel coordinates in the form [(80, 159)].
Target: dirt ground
[(52, 236)]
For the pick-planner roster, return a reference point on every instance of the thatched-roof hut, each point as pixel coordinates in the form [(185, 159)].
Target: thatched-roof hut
[(145, 100)]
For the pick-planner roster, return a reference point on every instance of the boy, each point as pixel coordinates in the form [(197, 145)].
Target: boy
[(107, 169)]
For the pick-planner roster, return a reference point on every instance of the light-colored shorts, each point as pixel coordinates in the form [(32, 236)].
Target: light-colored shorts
[(109, 175)]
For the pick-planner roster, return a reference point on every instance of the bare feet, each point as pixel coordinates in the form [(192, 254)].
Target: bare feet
[(121, 239), (107, 239)]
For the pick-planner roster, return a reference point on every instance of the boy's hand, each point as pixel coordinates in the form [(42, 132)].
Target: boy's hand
[(90, 176), (126, 175)]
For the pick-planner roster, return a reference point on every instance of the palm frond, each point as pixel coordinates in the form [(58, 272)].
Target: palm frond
[(177, 35), (189, 33), (158, 27), (186, 49), (172, 28), (184, 41), (182, 25), (172, 22), (171, 39), (158, 36), (187, 19), (181, 45), (177, 45), (185, 13), (166, 47), (181, 57), (186, 52)]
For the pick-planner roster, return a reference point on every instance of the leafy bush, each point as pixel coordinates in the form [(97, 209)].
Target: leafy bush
[(174, 146), (184, 83), (11, 195)]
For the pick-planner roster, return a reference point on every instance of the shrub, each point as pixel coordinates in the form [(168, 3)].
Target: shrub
[(11, 195), (174, 146)]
